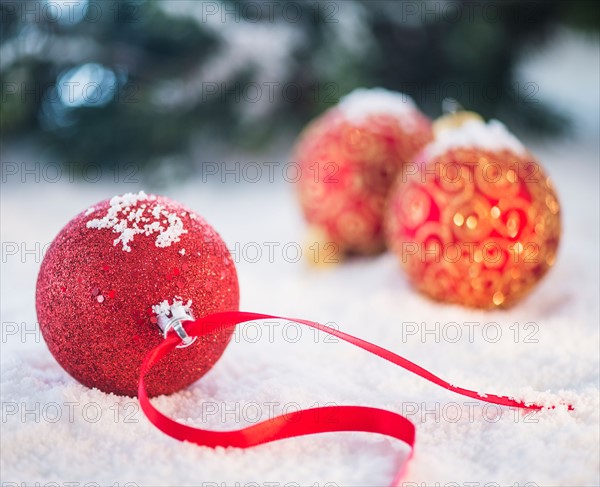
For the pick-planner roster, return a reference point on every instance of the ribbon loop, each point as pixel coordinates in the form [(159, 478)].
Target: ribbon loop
[(325, 419)]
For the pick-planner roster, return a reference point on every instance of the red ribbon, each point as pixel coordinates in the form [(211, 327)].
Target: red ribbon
[(303, 422)]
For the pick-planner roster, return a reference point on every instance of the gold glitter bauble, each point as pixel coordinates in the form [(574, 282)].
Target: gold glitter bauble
[(475, 226)]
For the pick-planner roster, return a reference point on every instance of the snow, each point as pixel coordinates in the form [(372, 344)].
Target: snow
[(493, 136), (362, 103), (164, 308), (548, 350), (165, 311), (130, 208), (56, 430)]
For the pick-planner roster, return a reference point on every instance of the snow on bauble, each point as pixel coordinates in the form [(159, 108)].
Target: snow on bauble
[(349, 158), (476, 221), (110, 274)]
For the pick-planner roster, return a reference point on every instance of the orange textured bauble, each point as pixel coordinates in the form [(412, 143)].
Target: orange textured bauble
[(477, 221), (349, 158)]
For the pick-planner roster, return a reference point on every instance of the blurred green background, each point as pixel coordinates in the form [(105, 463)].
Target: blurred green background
[(148, 81)]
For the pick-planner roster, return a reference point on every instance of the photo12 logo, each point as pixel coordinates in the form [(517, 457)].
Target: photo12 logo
[(468, 484), (69, 12), (264, 11), (267, 484), (67, 484), (269, 171), (70, 172), (465, 412), (69, 412), (472, 331)]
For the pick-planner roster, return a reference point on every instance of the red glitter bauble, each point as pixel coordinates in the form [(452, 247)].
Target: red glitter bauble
[(349, 158), (476, 223), (109, 272)]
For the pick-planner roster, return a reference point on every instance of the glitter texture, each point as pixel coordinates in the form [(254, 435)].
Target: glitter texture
[(349, 162), (94, 301)]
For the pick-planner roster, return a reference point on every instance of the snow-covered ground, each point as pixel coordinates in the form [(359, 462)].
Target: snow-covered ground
[(56, 430)]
